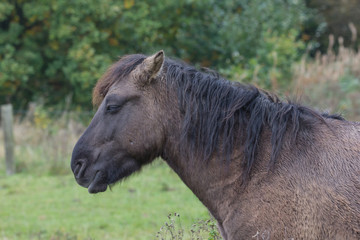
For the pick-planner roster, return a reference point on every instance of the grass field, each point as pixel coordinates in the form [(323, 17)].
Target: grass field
[(55, 207)]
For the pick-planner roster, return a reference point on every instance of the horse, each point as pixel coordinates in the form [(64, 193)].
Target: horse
[(265, 168)]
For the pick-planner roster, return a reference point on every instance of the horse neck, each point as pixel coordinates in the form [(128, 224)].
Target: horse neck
[(217, 184)]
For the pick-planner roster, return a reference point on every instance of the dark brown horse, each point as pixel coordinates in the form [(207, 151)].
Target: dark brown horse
[(264, 168)]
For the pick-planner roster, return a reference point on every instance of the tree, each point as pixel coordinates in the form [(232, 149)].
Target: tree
[(57, 49)]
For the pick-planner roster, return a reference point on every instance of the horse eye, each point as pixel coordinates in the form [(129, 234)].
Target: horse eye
[(116, 103), (113, 108)]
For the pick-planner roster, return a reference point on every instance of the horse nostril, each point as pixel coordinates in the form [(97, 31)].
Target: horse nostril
[(79, 168)]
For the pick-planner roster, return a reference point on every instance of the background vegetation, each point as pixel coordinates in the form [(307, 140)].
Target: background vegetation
[(53, 51)]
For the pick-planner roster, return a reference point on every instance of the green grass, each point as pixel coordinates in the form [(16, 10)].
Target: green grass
[(56, 207), (43, 201)]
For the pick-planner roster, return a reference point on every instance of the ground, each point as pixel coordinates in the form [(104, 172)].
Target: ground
[(55, 207)]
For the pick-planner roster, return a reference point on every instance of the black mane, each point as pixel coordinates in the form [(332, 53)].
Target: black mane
[(218, 112)]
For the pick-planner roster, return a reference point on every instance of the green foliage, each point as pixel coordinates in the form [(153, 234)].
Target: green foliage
[(51, 49), (271, 67), (340, 20), (58, 49), (264, 42)]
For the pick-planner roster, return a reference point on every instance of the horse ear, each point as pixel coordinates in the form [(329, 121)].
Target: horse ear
[(150, 68)]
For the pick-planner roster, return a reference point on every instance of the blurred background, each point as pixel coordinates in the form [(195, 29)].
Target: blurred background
[(53, 52)]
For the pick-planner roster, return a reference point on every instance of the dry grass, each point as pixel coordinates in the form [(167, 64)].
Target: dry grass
[(43, 145), (331, 81)]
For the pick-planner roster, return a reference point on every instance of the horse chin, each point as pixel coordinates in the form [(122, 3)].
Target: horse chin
[(125, 168), (98, 184), (109, 176)]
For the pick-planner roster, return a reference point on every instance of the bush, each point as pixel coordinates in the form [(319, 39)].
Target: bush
[(57, 50), (271, 68)]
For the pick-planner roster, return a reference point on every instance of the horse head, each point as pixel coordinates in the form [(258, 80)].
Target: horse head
[(125, 132)]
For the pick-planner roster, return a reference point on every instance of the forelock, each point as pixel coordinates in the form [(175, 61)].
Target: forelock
[(114, 73)]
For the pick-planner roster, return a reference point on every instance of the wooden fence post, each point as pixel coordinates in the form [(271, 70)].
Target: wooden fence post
[(7, 123)]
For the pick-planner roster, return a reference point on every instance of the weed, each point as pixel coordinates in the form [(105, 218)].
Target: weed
[(202, 229)]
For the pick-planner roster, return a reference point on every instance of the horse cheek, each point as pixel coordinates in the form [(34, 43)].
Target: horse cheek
[(148, 142)]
